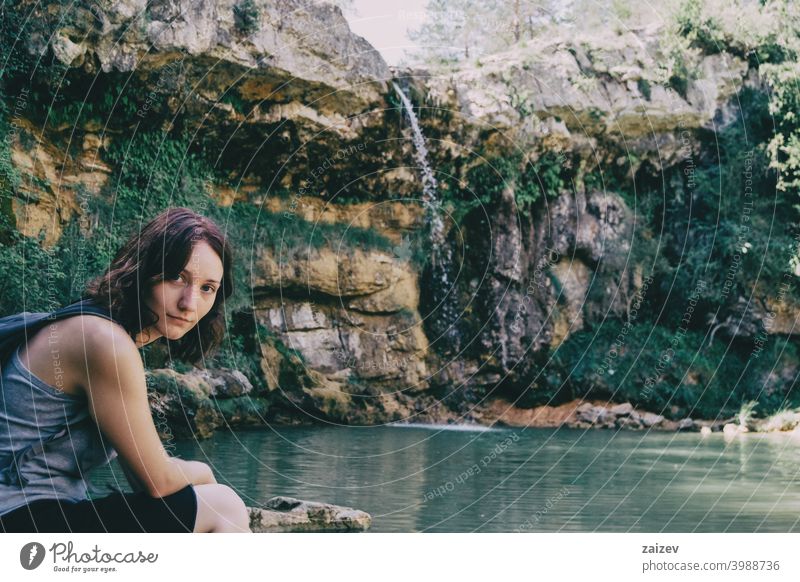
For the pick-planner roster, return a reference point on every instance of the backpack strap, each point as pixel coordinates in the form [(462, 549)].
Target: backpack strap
[(15, 329)]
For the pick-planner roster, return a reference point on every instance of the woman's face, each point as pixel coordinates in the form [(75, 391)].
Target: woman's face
[(182, 302)]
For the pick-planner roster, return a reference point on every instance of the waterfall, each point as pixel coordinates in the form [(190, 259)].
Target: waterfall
[(440, 248), (429, 186)]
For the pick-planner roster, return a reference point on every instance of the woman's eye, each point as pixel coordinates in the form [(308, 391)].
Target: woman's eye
[(207, 288)]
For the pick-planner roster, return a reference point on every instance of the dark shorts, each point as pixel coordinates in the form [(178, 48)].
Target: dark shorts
[(117, 513)]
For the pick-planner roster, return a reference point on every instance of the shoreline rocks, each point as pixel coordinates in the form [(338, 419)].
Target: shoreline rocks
[(287, 514), (608, 415), (589, 414), (199, 402)]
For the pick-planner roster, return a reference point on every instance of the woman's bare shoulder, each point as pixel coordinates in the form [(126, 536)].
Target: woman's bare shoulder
[(82, 346), (98, 338)]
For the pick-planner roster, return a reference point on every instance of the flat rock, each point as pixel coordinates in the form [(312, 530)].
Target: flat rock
[(622, 409), (650, 419), (287, 514), (593, 414)]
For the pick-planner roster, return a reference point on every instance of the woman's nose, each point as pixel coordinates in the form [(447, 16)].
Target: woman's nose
[(188, 301)]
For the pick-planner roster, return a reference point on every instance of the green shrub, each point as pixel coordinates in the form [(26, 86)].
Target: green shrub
[(528, 181), (246, 14), (703, 30), (644, 87), (661, 369)]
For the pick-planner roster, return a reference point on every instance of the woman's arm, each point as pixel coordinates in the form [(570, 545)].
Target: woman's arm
[(133, 480), (196, 472), (114, 382)]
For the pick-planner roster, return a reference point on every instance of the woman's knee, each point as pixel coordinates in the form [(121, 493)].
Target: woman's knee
[(220, 509)]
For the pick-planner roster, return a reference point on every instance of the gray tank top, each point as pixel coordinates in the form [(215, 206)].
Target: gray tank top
[(48, 440)]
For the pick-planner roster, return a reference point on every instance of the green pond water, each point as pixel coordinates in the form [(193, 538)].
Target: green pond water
[(446, 479)]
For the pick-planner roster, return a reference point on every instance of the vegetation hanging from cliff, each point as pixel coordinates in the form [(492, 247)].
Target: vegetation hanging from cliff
[(727, 232)]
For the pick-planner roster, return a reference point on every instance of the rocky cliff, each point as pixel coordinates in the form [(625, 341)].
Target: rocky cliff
[(346, 312)]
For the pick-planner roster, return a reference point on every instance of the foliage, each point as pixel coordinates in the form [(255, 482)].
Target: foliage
[(112, 102), (688, 228), (246, 14), (694, 223), (784, 147), (12, 31), (700, 28), (237, 353), (152, 172), (529, 181), (670, 373), (285, 234), (746, 412), (547, 176), (767, 37), (759, 33), (9, 176), (644, 88), (450, 31)]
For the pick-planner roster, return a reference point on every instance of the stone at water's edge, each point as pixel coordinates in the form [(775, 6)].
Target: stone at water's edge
[(287, 514)]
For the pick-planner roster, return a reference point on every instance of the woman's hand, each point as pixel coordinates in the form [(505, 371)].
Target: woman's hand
[(133, 481)]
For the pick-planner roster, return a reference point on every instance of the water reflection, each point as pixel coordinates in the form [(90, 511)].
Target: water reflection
[(429, 479)]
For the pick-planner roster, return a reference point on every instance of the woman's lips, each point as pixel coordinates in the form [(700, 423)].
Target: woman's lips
[(179, 319)]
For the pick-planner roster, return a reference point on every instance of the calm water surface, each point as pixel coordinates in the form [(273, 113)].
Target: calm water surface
[(419, 479)]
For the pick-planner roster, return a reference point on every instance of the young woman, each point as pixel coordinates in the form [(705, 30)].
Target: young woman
[(74, 395)]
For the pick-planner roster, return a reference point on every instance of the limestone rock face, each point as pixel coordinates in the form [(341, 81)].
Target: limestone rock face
[(577, 92), (345, 274), (574, 278), (535, 275), (276, 47), (288, 99), (198, 402), (394, 219), (362, 323)]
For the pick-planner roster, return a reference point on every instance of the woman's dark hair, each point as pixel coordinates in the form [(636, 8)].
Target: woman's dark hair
[(161, 250)]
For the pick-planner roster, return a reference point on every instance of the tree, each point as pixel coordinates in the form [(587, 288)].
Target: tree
[(458, 30), (452, 30)]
